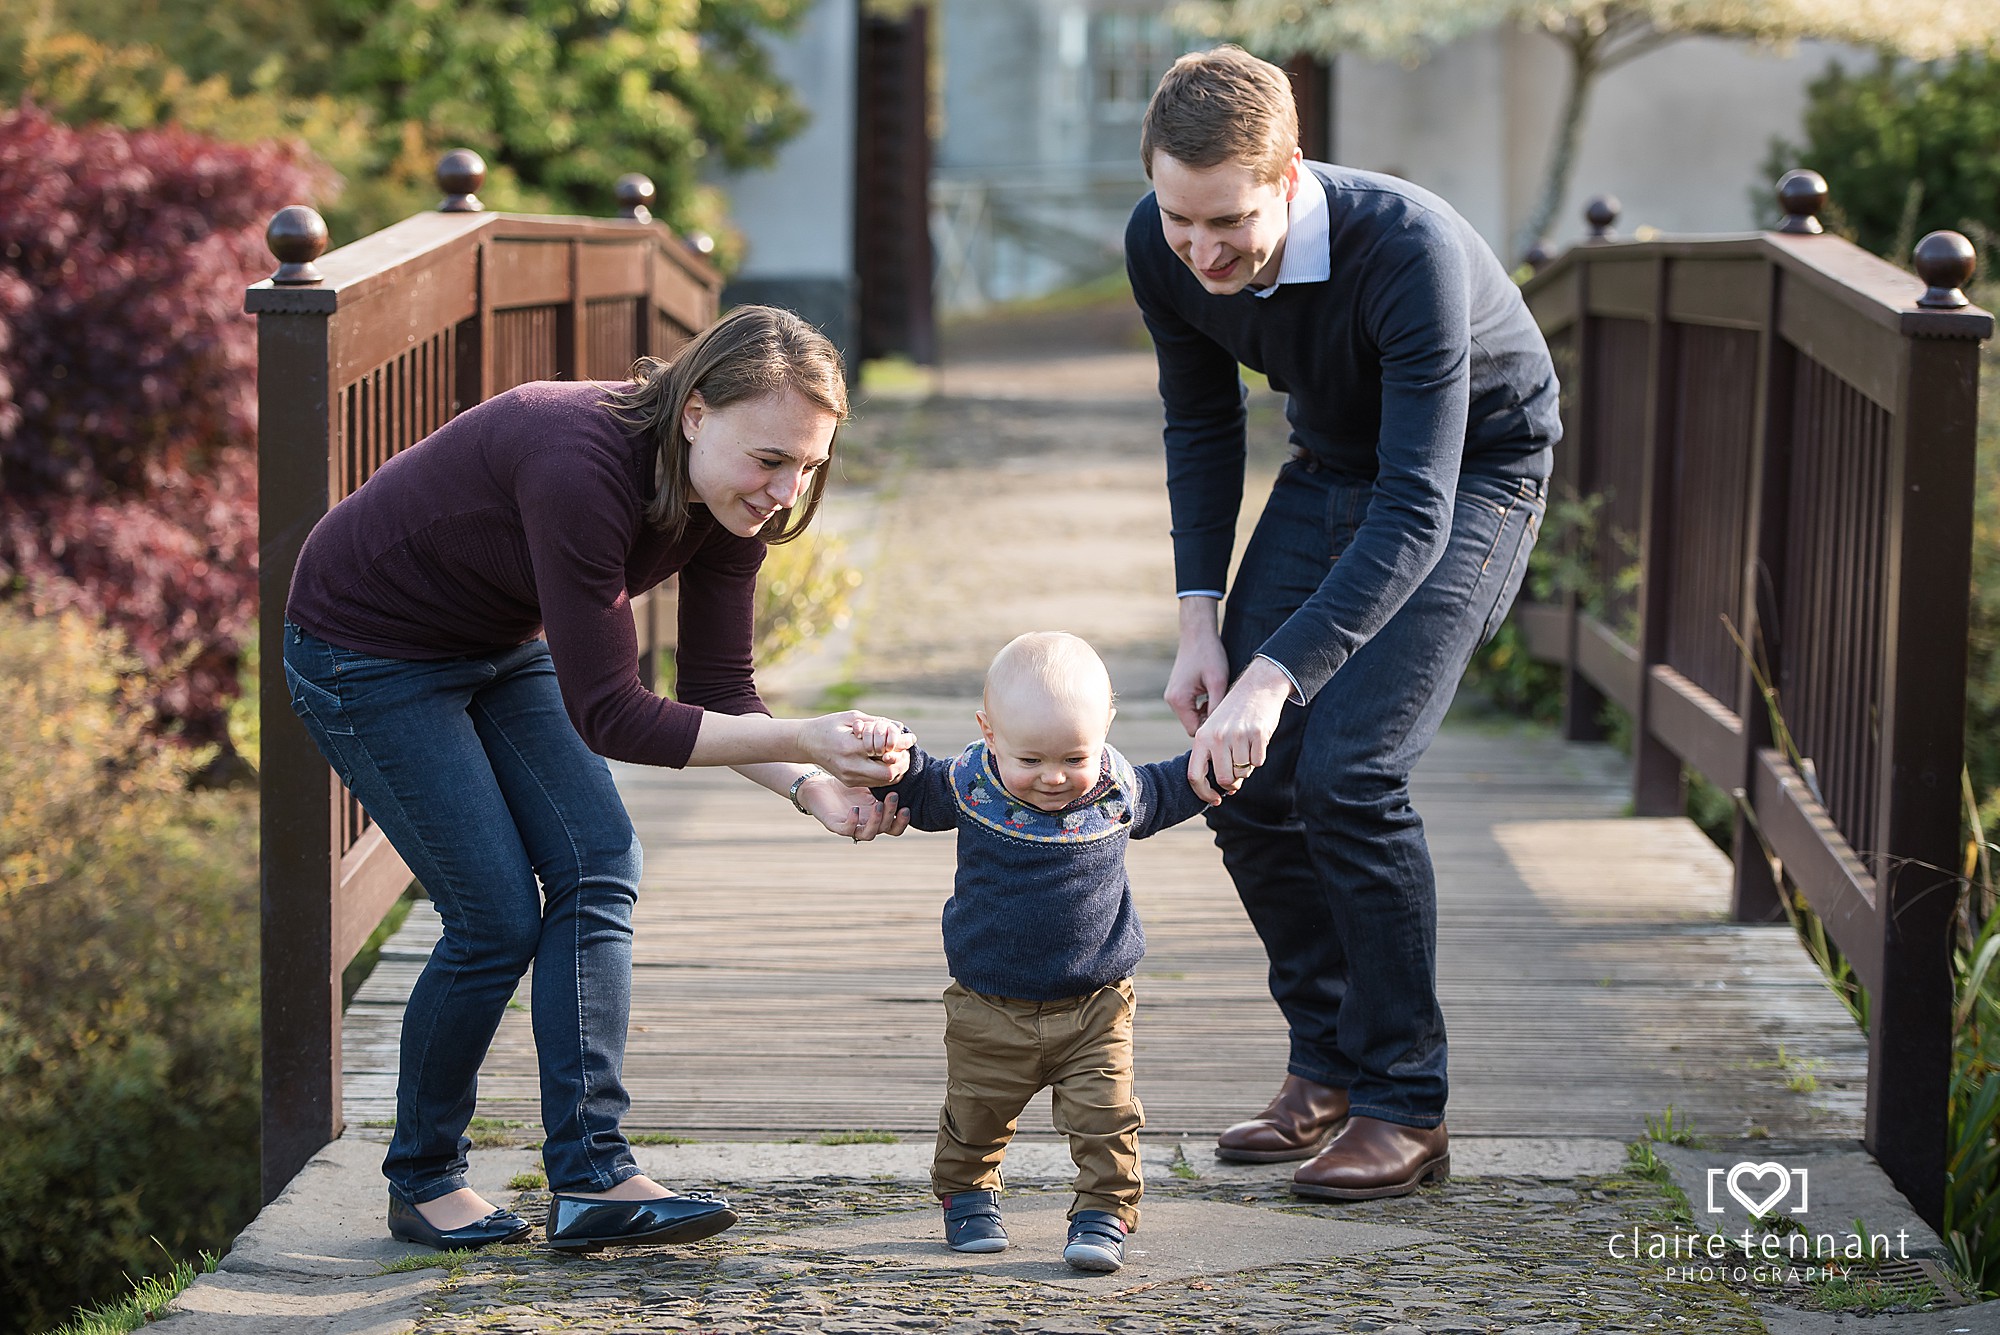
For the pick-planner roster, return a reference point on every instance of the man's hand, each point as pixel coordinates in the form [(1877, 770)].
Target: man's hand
[(851, 812), (1201, 668), (1231, 742)]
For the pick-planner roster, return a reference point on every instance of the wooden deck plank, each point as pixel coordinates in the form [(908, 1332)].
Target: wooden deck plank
[(786, 983)]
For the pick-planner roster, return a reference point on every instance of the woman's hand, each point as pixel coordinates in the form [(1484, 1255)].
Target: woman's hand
[(1230, 744), (851, 812), (862, 750)]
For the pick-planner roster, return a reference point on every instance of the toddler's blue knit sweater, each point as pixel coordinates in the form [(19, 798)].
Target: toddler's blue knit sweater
[(1041, 907)]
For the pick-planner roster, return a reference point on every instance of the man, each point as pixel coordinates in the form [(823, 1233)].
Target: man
[(1422, 404)]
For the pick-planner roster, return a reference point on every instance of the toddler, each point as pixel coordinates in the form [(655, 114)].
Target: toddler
[(1042, 938)]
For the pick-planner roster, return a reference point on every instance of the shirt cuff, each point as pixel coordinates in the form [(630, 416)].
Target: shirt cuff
[(1298, 696), (1200, 593)]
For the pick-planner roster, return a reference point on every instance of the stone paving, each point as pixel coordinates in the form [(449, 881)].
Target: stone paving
[(1480, 1255)]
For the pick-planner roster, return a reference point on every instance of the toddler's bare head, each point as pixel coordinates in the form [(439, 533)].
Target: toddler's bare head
[(1048, 708)]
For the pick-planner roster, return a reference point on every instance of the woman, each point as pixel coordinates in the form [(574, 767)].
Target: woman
[(411, 657)]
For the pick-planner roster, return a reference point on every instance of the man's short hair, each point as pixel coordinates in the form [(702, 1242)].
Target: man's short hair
[(1222, 106)]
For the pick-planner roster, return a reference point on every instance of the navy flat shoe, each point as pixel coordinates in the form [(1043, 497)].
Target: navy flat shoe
[(406, 1225), (588, 1224)]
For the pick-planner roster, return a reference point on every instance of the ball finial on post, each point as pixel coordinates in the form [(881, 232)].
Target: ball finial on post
[(1540, 255), (635, 195), (297, 237), (1602, 215), (1802, 195), (1946, 262), (460, 174)]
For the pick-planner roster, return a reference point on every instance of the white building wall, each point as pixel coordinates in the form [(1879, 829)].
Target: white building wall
[(797, 215), (1680, 135)]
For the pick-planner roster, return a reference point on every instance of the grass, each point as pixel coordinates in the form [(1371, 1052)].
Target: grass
[(1870, 1296), (1671, 1129), (659, 1138), (1801, 1073), (896, 377), (147, 1303), (427, 1260), (1649, 1167), (357, 971), (493, 1132), (527, 1182), (859, 1138)]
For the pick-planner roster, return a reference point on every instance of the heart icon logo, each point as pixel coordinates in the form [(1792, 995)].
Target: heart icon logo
[(1758, 1208)]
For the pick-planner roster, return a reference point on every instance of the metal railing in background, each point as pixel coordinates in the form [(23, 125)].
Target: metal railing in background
[(1778, 431), (361, 353)]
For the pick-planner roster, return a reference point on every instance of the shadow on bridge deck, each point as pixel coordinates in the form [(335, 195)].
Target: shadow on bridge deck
[(787, 983)]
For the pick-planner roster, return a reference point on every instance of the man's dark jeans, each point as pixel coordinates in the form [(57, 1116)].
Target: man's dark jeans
[(1326, 851), (512, 824)]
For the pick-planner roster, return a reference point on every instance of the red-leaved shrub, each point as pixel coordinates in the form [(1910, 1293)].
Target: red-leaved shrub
[(128, 388)]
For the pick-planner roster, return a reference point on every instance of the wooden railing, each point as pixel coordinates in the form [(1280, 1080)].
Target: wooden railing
[(361, 354), (1777, 430)]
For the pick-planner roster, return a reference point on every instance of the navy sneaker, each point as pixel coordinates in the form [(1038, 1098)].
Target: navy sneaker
[(972, 1222), (1096, 1241)]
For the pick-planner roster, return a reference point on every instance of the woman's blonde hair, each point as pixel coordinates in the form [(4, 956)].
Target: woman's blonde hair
[(750, 353)]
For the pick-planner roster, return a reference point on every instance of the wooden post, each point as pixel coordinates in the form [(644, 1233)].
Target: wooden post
[(1754, 891), (299, 863), (1657, 786), (1928, 571), (1576, 465)]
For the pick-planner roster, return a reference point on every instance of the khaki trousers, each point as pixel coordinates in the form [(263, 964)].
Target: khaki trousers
[(1000, 1051)]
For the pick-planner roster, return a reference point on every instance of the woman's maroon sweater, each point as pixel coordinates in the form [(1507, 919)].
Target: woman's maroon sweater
[(526, 514)]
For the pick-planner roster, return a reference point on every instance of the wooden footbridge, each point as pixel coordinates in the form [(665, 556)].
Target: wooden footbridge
[(1777, 429)]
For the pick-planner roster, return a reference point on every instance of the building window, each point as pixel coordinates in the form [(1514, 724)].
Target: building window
[(1129, 51)]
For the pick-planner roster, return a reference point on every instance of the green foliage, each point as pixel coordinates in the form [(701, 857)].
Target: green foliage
[(146, 1303), (859, 1138), (1871, 1296), (570, 95), (1671, 1128), (560, 97), (1560, 564), (1982, 703), (128, 984), (1906, 149), (803, 592)]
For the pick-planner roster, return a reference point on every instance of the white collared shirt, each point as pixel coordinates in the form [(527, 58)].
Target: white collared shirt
[(1307, 258)]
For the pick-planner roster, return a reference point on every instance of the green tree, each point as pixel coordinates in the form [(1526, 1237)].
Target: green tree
[(1597, 35), (561, 97), (1906, 148), (570, 94)]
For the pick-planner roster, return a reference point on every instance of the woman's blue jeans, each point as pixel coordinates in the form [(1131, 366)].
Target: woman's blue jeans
[(1326, 851), (476, 776)]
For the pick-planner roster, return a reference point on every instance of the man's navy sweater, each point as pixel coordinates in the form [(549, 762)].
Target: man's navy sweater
[(1041, 908), (1415, 357)]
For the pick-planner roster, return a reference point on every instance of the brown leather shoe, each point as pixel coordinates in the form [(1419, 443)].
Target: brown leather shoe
[(1371, 1158), (1299, 1121)]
